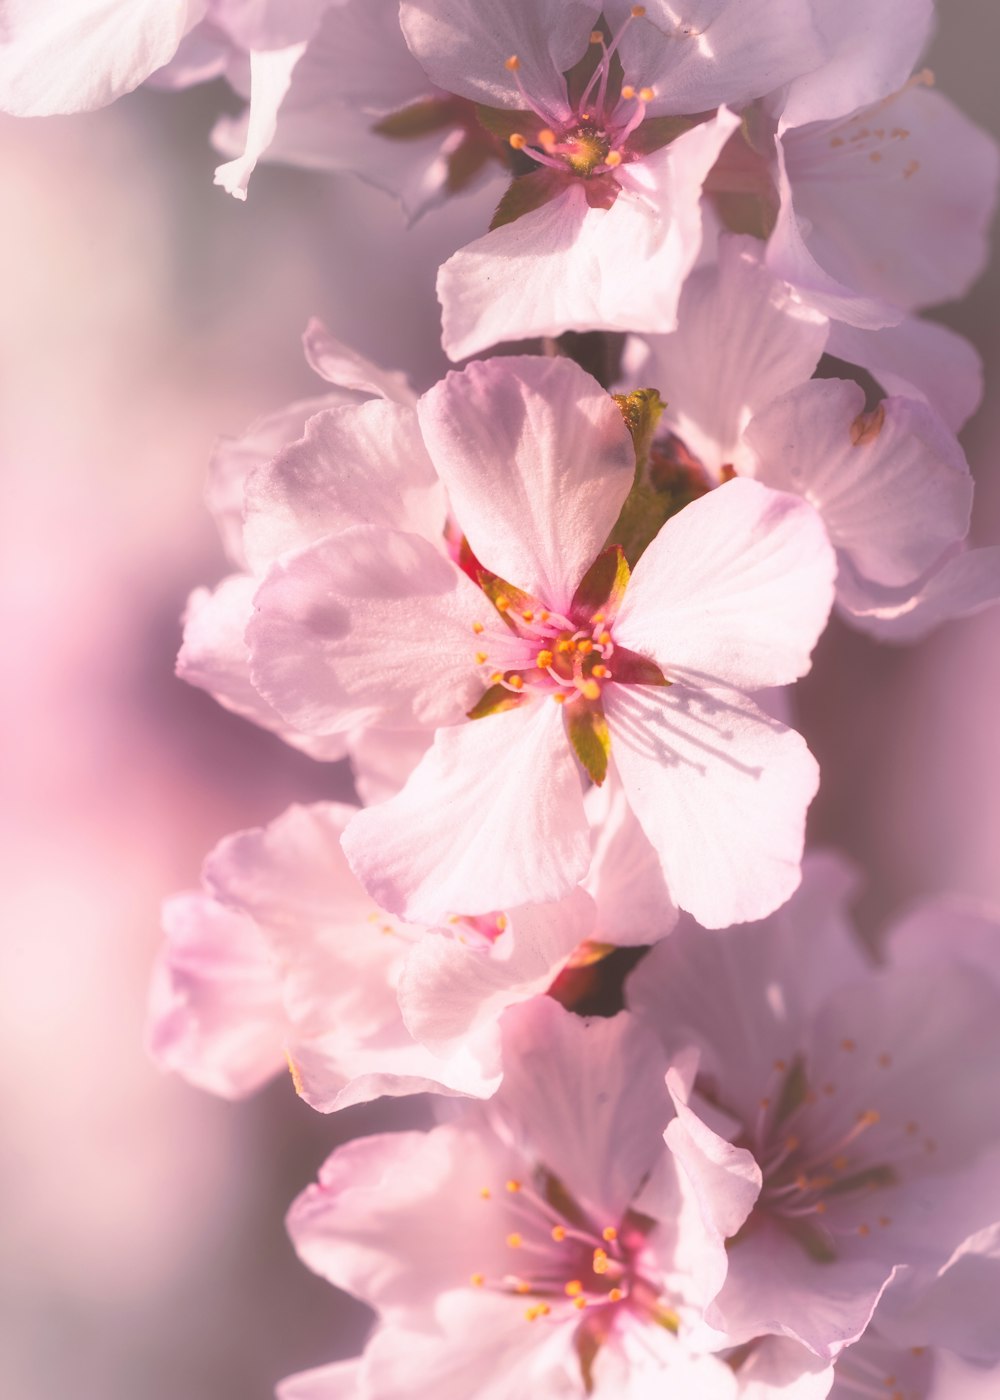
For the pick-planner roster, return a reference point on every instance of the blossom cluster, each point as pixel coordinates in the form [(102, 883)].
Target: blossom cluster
[(551, 609)]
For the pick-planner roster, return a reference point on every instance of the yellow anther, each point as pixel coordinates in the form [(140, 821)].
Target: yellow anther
[(477, 627), (544, 615), (537, 1310), (513, 1186), (584, 646), (496, 678), (516, 681), (604, 638), (522, 1286), (513, 63), (477, 1280), (558, 1233), (517, 140), (565, 644), (545, 659), (501, 602), (546, 137), (481, 657), (628, 92), (646, 94), (501, 922), (601, 1261), (485, 1193), (598, 617), (514, 1240), (615, 1295), (574, 1288), (590, 690), (528, 615), (638, 11), (559, 698), (601, 672), (613, 158), (596, 37), (609, 1233), (580, 1303)]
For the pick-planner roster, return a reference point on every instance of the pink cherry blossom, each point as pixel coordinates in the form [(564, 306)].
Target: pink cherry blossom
[(283, 961), (547, 1244), (864, 1095), (892, 486), (373, 627)]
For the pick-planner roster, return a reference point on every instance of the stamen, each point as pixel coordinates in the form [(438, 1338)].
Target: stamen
[(513, 1186), (481, 657), (477, 1280), (544, 660), (477, 627), (517, 141), (574, 1288), (514, 1240), (609, 1233)]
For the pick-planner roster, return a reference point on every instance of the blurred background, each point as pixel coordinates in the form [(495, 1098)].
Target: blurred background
[(143, 314)]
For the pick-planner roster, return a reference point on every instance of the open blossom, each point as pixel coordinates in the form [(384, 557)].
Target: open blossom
[(554, 658), (546, 1246), (282, 961), (892, 484), (865, 1096)]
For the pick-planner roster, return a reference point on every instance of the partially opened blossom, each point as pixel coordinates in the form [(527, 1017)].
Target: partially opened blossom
[(865, 1096), (282, 961), (892, 485), (547, 1245), (554, 658)]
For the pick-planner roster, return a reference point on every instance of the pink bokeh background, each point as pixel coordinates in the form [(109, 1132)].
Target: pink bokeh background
[(142, 313)]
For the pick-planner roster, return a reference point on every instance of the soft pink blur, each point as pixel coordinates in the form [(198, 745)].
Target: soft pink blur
[(141, 314)]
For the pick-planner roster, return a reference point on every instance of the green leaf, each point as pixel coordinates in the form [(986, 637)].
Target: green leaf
[(505, 597), (745, 212), (505, 122), (420, 119), (465, 163), (527, 193), (603, 585), (632, 668), (494, 701), (588, 733)]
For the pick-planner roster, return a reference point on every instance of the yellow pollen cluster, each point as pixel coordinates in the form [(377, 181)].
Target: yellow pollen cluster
[(601, 1262)]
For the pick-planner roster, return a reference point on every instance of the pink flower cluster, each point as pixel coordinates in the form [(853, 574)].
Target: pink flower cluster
[(550, 610)]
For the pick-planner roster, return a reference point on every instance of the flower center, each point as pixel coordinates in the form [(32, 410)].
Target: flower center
[(591, 135), (544, 652), (825, 1165), (559, 1260)]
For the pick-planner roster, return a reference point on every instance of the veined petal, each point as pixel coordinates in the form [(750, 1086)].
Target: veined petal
[(960, 586), (463, 45), (567, 266), (720, 51), (537, 462), (362, 464), (734, 590), (449, 989), (491, 818), (216, 658), (720, 790), (74, 55), (893, 495), (270, 75), (742, 339), (366, 627), (918, 358)]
